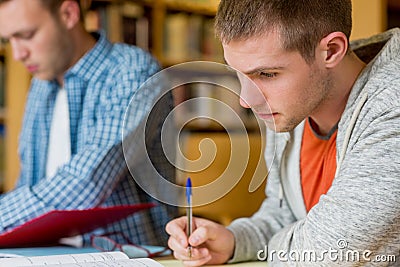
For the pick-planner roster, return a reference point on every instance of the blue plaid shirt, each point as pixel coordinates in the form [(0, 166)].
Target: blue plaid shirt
[(99, 86)]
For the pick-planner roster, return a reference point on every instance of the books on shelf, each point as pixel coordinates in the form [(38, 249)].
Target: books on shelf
[(209, 6), (111, 259), (190, 37), (214, 103), (125, 22), (175, 37), (186, 33), (135, 25)]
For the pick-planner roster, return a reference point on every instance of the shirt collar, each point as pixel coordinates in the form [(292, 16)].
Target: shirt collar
[(93, 61)]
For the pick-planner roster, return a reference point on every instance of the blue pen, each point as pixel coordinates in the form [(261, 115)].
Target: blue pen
[(189, 213)]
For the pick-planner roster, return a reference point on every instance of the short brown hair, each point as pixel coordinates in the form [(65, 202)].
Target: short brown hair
[(51, 5), (54, 5), (301, 24)]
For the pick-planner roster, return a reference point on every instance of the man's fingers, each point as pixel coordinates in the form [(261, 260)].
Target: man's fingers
[(176, 230), (198, 237), (202, 234), (176, 226), (198, 262), (177, 244), (200, 256)]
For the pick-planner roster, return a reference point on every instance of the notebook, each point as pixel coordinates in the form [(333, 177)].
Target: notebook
[(110, 259), (47, 229)]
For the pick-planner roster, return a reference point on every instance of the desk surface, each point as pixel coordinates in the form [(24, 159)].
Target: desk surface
[(176, 263)]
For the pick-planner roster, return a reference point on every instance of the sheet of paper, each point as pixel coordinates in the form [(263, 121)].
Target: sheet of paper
[(9, 255), (144, 262), (176, 263), (63, 259)]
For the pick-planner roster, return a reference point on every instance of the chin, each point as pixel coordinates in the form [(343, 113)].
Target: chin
[(44, 77), (279, 128), (271, 126)]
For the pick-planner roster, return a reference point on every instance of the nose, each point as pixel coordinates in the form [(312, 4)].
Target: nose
[(242, 101), (250, 93), (20, 52)]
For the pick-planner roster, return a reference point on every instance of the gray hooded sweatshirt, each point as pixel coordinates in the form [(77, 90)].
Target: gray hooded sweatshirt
[(357, 223)]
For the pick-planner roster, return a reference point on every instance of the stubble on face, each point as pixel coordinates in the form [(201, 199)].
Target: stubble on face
[(58, 59), (314, 96), (296, 90)]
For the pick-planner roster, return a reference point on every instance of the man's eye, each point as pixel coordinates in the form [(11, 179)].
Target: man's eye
[(268, 74), (27, 35)]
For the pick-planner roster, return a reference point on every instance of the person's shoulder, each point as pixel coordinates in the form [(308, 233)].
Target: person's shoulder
[(125, 55), (383, 83), (126, 68), (130, 64), (382, 77)]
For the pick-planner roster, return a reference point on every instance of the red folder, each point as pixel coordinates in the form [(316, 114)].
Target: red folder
[(47, 229)]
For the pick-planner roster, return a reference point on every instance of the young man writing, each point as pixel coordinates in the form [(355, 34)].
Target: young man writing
[(334, 169)]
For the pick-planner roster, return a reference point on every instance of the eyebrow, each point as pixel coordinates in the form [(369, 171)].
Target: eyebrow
[(20, 33), (23, 32), (261, 69), (257, 69)]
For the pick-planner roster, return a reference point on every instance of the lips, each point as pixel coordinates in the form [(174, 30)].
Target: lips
[(32, 68), (267, 116)]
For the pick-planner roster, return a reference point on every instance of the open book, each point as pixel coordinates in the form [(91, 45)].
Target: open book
[(111, 259)]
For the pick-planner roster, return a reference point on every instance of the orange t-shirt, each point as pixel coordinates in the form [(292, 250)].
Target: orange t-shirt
[(317, 164)]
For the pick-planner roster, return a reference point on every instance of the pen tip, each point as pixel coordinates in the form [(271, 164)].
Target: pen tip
[(188, 182), (188, 189)]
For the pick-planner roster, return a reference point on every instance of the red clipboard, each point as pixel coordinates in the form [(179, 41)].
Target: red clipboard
[(47, 229)]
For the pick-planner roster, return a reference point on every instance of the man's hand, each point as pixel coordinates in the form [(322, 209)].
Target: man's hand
[(211, 243)]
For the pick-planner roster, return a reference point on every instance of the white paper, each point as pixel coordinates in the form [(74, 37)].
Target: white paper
[(139, 262), (63, 259)]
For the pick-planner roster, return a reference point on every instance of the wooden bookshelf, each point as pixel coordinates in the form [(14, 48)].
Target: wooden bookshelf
[(17, 84), (172, 25), (207, 8), (2, 116)]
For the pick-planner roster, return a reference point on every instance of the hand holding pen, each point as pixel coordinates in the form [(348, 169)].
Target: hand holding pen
[(209, 243), (198, 241), (189, 212)]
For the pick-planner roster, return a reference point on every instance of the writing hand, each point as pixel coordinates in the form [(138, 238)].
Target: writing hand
[(211, 242)]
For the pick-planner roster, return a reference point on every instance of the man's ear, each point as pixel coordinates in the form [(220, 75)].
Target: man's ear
[(333, 48), (70, 13)]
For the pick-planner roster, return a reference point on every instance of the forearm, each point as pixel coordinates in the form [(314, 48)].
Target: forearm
[(19, 206)]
